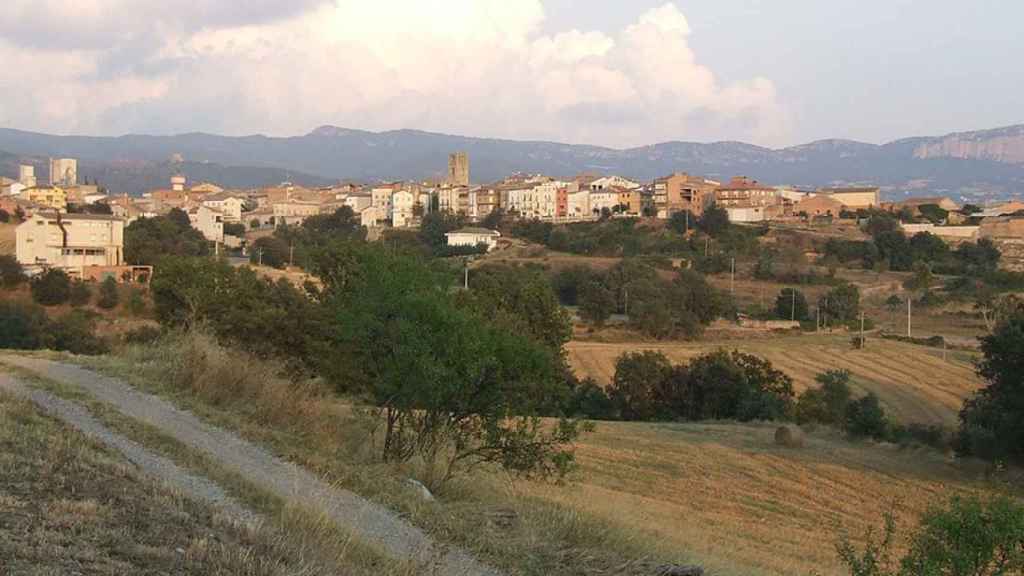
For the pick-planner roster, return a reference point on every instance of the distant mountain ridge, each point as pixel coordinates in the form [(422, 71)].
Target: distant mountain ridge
[(987, 163)]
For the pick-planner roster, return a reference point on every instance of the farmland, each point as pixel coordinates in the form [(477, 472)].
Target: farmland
[(914, 383)]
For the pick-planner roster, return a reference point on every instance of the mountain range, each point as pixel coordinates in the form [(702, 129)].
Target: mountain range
[(971, 166)]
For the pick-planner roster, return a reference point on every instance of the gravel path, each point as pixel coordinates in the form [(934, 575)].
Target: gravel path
[(372, 523), (168, 472)]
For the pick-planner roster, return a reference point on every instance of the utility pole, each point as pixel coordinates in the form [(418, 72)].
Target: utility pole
[(707, 240), (732, 281), (863, 343), (625, 305), (792, 305), (291, 255), (465, 281), (817, 318), (261, 257), (908, 316)]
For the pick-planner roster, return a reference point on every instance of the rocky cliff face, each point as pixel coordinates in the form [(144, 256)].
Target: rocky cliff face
[(1001, 145)]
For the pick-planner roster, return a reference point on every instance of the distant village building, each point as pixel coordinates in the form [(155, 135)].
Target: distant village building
[(206, 188), (402, 203), (612, 182), (209, 222), (230, 205), (819, 206), (70, 241), (474, 237), (178, 183), (63, 172), (48, 196), (27, 176), (680, 191), (458, 169), (854, 198), (294, 212)]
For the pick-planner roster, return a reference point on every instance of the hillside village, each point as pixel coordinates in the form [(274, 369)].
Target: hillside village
[(230, 218)]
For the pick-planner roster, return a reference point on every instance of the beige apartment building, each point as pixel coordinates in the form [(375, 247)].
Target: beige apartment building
[(70, 241), (680, 191), (49, 196)]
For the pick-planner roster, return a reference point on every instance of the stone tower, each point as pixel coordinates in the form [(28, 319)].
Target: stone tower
[(458, 169)]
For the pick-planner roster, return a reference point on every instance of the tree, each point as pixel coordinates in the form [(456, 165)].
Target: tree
[(452, 388), (738, 386), (969, 537), (828, 403), (180, 218), (928, 248), (841, 303), (791, 304), (494, 220), (22, 326), (270, 251), (147, 240), (715, 221), (882, 223), (992, 421), (682, 221), (435, 225), (865, 418), (637, 374), (764, 269), (109, 296), (254, 224), (933, 213), (922, 280), (51, 288), (894, 304), (570, 282), (11, 273), (5, 216), (80, 294), (521, 299), (597, 303)]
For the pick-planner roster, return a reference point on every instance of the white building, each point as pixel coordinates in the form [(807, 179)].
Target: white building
[(27, 176), (63, 172), (70, 241), (545, 196), (358, 202), (228, 204), (382, 198), (579, 205), (613, 182), (209, 222), (294, 212), (522, 201), (601, 200), (401, 208), (14, 189), (474, 237)]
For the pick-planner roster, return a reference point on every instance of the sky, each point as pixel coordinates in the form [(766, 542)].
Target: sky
[(616, 73)]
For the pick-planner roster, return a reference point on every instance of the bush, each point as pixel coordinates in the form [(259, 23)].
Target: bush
[(828, 403), (22, 326), (75, 332), (136, 303), (791, 304), (51, 288), (142, 335), (589, 400), (81, 295), (11, 273), (865, 418), (109, 296), (842, 303)]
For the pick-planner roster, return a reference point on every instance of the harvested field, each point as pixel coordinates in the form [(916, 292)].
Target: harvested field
[(914, 382)]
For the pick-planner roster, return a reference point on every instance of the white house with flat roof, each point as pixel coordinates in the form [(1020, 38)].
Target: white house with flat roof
[(474, 237), (70, 241)]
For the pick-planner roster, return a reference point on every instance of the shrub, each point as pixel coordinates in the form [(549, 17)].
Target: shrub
[(589, 400), (828, 403), (842, 303), (51, 288), (11, 273), (791, 304), (75, 332), (865, 418), (22, 326), (80, 294), (136, 303), (142, 335), (109, 296)]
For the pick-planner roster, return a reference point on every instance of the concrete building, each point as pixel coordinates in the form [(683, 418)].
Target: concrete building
[(631, 201), (613, 181), (358, 202), (27, 176), (381, 197), (458, 169), (63, 172), (453, 199), (474, 237), (680, 191), (294, 212), (402, 203), (178, 183), (854, 198), (70, 241), (209, 222), (230, 205), (578, 205), (48, 196), (606, 199), (743, 192), (818, 206), (482, 202)]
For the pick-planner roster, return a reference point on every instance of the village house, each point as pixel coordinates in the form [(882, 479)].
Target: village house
[(854, 198), (48, 196), (578, 205), (679, 192), (612, 182), (402, 203), (294, 212), (230, 205), (70, 241), (483, 202), (818, 206), (206, 188), (208, 221), (474, 237)]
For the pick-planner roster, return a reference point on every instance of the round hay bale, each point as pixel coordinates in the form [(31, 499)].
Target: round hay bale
[(789, 436)]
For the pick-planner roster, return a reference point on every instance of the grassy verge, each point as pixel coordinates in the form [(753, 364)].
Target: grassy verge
[(305, 532), (69, 505)]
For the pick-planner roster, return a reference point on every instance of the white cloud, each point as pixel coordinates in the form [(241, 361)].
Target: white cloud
[(478, 67)]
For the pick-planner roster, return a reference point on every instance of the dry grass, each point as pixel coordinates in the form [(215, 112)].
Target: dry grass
[(914, 382), (722, 495), (70, 506)]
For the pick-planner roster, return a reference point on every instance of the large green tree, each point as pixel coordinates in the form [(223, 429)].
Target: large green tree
[(147, 240)]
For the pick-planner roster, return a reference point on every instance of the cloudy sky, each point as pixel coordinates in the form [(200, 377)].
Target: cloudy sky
[(610, 72)]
